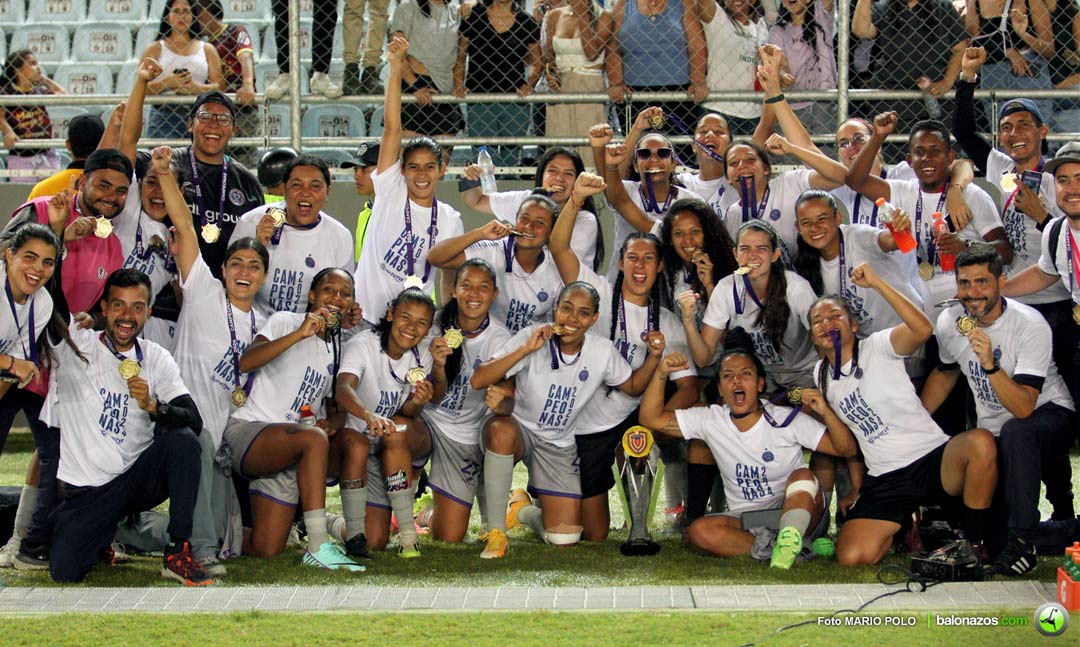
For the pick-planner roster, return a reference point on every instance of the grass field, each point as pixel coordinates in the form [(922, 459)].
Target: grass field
[(540, 629)]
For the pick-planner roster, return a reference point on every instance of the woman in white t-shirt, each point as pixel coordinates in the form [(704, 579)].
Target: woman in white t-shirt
[(385, 379), (456, 421), (758, 448), (407, 219), (555, 376), (734, 29), (273, 440), (910, 462), (556, 171), (769, 302), (697, 252), (527, 277)]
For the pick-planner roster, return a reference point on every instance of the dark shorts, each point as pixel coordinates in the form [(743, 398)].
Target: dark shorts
[(596, 453), (894, 496)]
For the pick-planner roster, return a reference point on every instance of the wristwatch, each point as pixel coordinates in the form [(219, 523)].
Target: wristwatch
[(993, 369)]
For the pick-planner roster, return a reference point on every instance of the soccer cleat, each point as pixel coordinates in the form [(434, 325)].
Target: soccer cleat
[(321, 84), (518, 500), (330, 557), (31, 558), (675, 517), (9, 551), (787, 548), (357, 547), (278, 88), (213, 566), (409, 548), (496, 545), (422, 509), (1017, 558), (180, 565), (119, 554)]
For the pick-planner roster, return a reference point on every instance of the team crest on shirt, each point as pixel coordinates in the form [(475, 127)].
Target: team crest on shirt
[(101, 272), (542, 295), (583, 375), (236, 196), (310, 262), (774, 214), (433, 231), (767, 456)]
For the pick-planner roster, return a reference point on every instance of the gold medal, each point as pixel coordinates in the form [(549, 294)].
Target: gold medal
[(239, 398), (416, 375), (926, 271), (657, 120), (966, 324), (1076, 314), (157, 244), (278, 214), (211, 232), (560, 330), (102, 227), (745, 269), (1008, 182), (695, 255), (794, 395), (129, 368), (333, 321), (453, 338), (414, 281)]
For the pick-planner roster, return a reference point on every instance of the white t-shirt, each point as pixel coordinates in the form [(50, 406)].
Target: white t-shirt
[(1024, 235), (732, 51), (11, 341), (1022, 345), (881, 408), (906, 194), (611, 408), (105, 431), (718, 193), (383, 385), (383, 266), (462, 411), (135, 228), (204, 346), (1059, 256), (298, 256), (860, 209), (871, 310), (779, 210), (790, 365), (549, 400), (754, 464), (623, 228), (505, 204), (524, 298), (301, 375)]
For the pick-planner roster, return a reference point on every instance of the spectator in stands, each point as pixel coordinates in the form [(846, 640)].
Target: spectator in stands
[(233, 45), (353, 27), (574, 62), (84, 133), (323, 24), (1065, 64), (499, 40), (733, 31), (367, 158), (924, 39), (22, 75), (189, 66), (656, 46), (805, 30), (431, 27)]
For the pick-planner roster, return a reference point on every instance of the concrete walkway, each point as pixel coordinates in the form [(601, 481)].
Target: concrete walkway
[(1019, 596)]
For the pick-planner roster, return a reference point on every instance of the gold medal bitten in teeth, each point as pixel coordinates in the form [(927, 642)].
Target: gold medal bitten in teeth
[(559, 329)]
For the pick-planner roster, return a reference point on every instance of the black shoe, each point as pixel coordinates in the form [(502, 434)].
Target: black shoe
[(31, 557), (357, 547), (369, 82), (350, 85), (1017, 558)]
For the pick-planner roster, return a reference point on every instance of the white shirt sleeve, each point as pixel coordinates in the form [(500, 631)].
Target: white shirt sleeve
[(694, 421)]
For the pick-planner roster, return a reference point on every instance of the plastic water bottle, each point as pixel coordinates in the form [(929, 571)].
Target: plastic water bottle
[(904, 240), (947, 261), (487, 171), (307, 417)]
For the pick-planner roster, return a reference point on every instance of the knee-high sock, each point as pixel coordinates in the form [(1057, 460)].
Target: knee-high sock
[(498, 476), (400, 493), (315, 522), (532, 516), (675, 474), (27, 502), (335, 524), (701, 476), (798, 518), (354, 508)]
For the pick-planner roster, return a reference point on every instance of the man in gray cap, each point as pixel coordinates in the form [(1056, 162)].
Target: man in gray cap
[(367, 158)]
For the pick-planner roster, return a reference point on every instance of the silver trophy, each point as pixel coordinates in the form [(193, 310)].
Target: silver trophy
[(638, 476)]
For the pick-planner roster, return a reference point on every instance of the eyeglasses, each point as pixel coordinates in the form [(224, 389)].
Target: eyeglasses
[(857, 139), (647, 153), (221, 119)]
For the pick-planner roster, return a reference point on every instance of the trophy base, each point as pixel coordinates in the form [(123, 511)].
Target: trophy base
[(639, 547)]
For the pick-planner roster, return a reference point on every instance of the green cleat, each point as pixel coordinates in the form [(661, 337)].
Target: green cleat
[(787, 548)]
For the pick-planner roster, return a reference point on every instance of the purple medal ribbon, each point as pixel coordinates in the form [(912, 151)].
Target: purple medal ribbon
[(469, 334), (649, 196), (276, 238), (198, 188), (105, 339), (749, 210), (834, 335), (390, 365), (843, 268), (555, 346), (858, 199), (787, 421), (686, 131), (931, 245), (234, 346), (508, 249), (409, 258), (32, 351), (740, 299)]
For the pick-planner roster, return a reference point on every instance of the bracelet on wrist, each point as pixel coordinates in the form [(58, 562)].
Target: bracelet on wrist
[(777, 99), (464, 184)]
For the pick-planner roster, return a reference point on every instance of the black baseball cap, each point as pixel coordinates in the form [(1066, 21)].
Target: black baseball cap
[(108, 158), (367, 155), (213, 96)]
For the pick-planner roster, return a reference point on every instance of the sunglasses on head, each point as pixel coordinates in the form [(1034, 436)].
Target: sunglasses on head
[(664, 153)]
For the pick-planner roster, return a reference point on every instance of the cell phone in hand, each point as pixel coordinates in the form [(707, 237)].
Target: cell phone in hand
[(180, 70), (1033, 179)]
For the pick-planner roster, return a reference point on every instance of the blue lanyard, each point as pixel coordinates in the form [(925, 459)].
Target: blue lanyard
[(105, 339), (748, 196), (198, 188), (740, 299), (873, 214)]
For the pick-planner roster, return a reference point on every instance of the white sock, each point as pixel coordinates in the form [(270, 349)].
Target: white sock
[(498, 477), (336, 525), (401, 502), (533, 517), (354, 507), (315, 522), (796, 517), (27, 502)]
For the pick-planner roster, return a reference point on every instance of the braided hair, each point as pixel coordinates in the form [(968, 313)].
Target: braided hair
[(447, 317), (774, 312), (654, 291), (807, 261), (333, 337), (717, 244)]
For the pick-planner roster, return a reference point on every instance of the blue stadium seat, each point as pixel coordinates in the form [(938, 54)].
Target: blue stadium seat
[(65, 157), (375, 126), (278, 121), (49, 43), (247, 10), (102, 43), (117, 11), (155, 12), (146, 35), (269, 44), (71, 12), (61, 116), (125, 78), (3, 45), (12, 12), (334, 157), (267, 71), (85, 78), (333, 121), (3, 167)]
